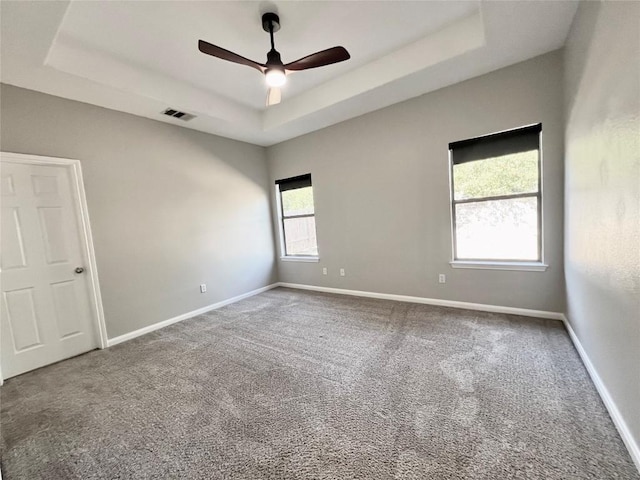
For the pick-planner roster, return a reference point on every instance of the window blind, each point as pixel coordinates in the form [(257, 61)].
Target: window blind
[(496, 145), (301, 181)]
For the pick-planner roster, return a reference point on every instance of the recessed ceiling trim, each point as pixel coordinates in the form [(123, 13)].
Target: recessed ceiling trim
[(72, 57), (458, 38)]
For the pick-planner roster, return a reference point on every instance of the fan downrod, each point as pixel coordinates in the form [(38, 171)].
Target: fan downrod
[(270, 22)]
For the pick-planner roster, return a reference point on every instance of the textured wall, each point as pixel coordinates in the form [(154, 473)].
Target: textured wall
[(602, 192), (381, 187), (170, 208)]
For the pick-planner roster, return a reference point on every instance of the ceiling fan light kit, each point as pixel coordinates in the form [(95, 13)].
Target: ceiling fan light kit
[(274, 70), (275, 77)]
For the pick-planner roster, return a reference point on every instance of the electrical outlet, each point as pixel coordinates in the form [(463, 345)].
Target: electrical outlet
[(324, 270), (342, 272), (442, 278), (203, 287)]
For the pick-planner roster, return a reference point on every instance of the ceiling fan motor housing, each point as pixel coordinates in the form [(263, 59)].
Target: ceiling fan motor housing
[(270, 21), (274, 60)]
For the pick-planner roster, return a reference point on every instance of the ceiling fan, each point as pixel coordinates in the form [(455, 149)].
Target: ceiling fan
[(274, 70)]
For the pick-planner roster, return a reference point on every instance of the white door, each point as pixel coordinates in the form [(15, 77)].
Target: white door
[(45, 305)]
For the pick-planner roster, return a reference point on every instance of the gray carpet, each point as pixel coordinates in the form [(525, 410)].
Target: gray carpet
[(294, 385)]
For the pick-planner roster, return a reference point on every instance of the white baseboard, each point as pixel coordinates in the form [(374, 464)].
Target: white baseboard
[(156, 326), (612, 408), (384, 296), (432, 301)]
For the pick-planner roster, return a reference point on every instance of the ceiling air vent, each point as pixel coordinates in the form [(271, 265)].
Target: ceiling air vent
[(178, 114)]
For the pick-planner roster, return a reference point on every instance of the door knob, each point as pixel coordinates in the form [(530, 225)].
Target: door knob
[(79, 270)]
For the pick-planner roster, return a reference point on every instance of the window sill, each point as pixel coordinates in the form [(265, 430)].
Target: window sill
[(518, 266), (292, 258)]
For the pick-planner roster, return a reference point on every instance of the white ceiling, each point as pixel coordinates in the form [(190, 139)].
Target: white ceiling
[(141, 57)]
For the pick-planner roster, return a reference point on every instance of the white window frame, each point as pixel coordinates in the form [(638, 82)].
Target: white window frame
[(493, 264), (284, 256)]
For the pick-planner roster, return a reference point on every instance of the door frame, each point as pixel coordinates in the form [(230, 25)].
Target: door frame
[(86, 239)]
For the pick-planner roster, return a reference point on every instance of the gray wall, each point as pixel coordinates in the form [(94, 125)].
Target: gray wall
[(602, 191), (381, 187), (170, 208)]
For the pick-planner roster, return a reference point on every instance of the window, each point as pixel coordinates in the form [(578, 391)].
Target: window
[(496, 199), (297, 217)]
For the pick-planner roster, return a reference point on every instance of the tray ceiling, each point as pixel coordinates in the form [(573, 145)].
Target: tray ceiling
[(142, 57)]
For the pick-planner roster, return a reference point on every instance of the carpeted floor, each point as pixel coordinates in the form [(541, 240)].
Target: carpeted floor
[(298, 385)]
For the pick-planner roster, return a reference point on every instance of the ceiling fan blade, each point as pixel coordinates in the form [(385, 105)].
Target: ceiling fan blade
[(319, 59), (219, 52), (273, 96)]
